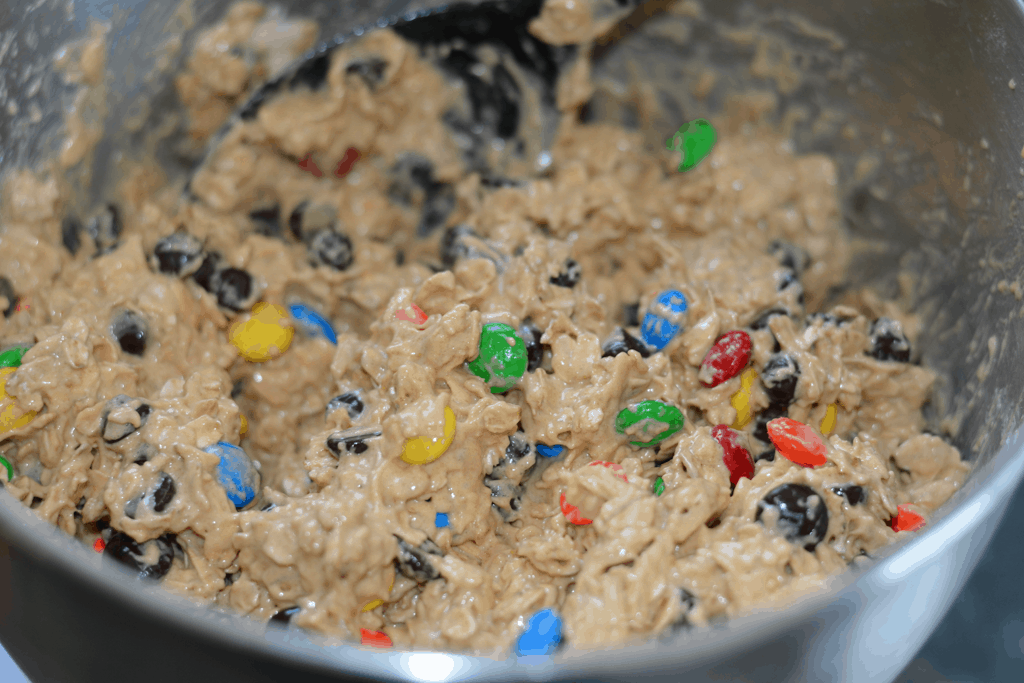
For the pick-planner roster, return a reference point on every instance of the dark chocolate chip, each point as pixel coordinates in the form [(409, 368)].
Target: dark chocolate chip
[(803, 517), (780, 377), (415, 563), (105, 229), (178, 254), (351, 441), (7, 292), (331, 248), (569, 276), (130, 330), (124, 549), (854, 495), (266, 220), (234, 288), (622, 342), (204, 275), (790, 256), (112, 432), (888, 342), (164, 492), (71, 234), (531, 335)]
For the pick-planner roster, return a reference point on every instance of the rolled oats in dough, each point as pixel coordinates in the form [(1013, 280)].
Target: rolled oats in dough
[(332, 526)]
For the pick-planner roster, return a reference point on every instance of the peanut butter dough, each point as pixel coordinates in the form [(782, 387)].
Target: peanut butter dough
[(342, 528)]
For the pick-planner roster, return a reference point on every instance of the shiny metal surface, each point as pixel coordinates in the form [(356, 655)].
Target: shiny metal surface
[(929, 94)]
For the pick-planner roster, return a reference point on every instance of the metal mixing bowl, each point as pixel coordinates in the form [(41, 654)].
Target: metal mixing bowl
[(920, 86)]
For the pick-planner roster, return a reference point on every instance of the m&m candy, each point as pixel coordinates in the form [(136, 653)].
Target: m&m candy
[(11, 358), (412, 314), (374, 638), (664, 319), (502, 358), (441, 520), (570, 510), (659, 486), (737, 458), (420, 450), (236, 472), (906, 519), (741, 399), (693, 141), (542, 635), (11, 416), (649, 422), (725, 359), (550, 451), (828, 423), (797, 442), (312, 323), (265, 335)]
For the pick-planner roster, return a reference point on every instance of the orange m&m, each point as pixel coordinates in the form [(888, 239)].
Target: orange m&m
[(797, 442)]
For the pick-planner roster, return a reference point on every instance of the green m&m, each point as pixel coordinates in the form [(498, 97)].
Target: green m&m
[(649, 422), (502, 358), (694, 141), (659, 486), (11, 358)]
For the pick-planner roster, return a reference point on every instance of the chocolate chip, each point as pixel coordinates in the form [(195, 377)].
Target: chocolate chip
[(351, 441), (888, 342), (204, 275), (266, 220), (531, 335), (854, 495), (178, 254), (622, 342), (331, 248), (415, 563), (126, 550), (351, 401), (569, 276), (234, 288), (112, 432), (71, 234), (105, 229), (790, 256), (129, 329), (7, 292), (779, 377), (164, 492)]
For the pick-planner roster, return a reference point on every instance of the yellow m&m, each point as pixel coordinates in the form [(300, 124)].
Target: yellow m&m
[(828, 423), (265, 335), (11, 416), (420, 450), (741, 399)]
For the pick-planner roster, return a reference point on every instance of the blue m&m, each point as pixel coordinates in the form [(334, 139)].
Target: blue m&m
[(542, 635), (550, 451), (664, 319), (312, 323), (441, 520), (236, 472)]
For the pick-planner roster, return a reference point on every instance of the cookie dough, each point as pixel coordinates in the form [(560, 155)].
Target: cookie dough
[(351, 200)]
